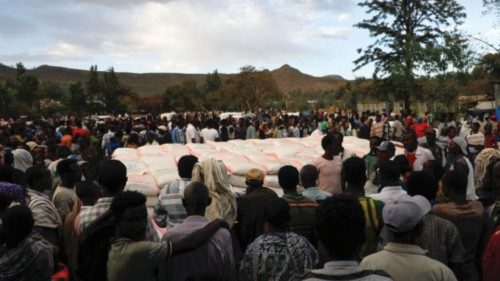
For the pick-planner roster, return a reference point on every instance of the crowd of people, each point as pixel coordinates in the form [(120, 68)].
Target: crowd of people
[(429, 213)]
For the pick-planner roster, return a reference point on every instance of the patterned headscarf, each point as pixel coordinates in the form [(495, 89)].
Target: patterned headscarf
[(14, 192)]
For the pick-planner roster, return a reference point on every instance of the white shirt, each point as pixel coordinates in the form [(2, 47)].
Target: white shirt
[(209, 134), (190, 133), (388, 193), (422, 156)]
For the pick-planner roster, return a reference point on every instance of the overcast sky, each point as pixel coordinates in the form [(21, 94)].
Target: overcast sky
[(197, 36)]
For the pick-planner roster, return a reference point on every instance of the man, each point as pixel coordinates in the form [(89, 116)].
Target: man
[(353, 182), (79, 131), (417, 156), (445, 247), (389, 182), (364, 129), (397, 128), (176, 133), (190, 133), (215, 256), (340, 218), (468, 216), (490, 140), (106, 138), (45, 215), (250, 130), (457, 161), (402, 259), (112, 178), (377, 129), (420, 127), (371, 157), (169, 209), (209, 133), (65, 196), (385, 152), (308, 178), (132, 258), (278, 254), (302, 209), (24, 256), (251, 208), (436, 150), (329, 164)]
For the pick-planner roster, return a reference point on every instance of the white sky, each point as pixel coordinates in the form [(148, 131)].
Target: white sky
[(197, 36)]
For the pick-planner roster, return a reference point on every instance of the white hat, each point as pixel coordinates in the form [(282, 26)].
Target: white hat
[(403, 213)]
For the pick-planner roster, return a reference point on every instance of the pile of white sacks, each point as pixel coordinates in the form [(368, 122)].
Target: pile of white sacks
[(150, 168)]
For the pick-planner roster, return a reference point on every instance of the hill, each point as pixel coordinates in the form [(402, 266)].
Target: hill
[(149, 84)]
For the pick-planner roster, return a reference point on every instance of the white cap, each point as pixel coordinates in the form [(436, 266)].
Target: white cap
[(403, 213)]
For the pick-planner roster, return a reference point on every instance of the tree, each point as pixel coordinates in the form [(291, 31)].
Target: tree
[(411, 36), (76, 97), (28, 86), (93, 86), (256, 88), (50, 90)]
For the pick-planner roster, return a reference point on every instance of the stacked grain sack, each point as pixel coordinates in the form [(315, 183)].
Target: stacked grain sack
[(150, 168)]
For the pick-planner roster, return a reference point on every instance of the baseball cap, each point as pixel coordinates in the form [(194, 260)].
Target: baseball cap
[(403, 213), (386, 146), (255, 174)]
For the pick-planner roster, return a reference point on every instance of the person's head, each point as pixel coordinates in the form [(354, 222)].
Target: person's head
[(475, 127), (488, 128), (456, 148), (374, 142), (404, 166), (451, 132), (332, 143), (17, 223), (87, 192), (422, 183), (150, 137), (353, 175), (112, 176), (430, 135), (255, 178), (129, 210), (385, 151), (38, 179), (455, 186), (403, 217), (389, 173), (288, 178), (69, 171), (435, 168), (134, 140), (62, 152), (378, 118), (276, 215), (308, 176), (185, 166), (410, 141), (340, 226), (196, 198)]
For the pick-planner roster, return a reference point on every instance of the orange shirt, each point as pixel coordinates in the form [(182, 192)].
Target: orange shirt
[(66, 140)]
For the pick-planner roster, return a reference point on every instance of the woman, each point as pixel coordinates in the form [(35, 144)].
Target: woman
[(214, 175)]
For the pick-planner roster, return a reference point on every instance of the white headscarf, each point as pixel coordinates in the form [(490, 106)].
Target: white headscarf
[(214, 175), (22, 159)]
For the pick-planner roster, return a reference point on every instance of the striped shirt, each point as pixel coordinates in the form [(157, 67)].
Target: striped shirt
[(302, 215), (169, 210)]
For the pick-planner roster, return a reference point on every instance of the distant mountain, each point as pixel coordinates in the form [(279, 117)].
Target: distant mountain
[(148, 84)]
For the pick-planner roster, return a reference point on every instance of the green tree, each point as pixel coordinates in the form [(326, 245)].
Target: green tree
[(50, 90), (93, 86), (76, 97), (256, 88), (411, 36), (28, 86)]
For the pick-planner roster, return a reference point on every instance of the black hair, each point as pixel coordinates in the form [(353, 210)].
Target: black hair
[(389, 170), (112, 176), (404, 165), (288, 177), (125, 200), (18, 223), (87, 192), (340, 225), (422, 183), (38, 179), (455, 181), (134, 139), (62, 151), (309, 174), (435, 168), (331, 138), (206, 277), (185, 166), (64, 167), (6, 173), (354, 171), (8, 158), (277, 213)]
